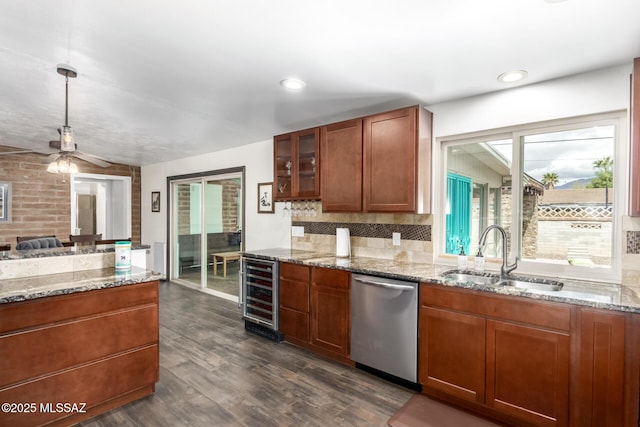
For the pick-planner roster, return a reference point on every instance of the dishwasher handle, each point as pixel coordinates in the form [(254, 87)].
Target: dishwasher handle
[(384, 284)]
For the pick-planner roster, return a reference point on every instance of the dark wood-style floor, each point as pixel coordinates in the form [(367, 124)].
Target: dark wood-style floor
[(214, 373)]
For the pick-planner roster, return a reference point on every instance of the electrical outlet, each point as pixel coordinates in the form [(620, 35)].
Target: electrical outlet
[(297, 231), (396, 239)]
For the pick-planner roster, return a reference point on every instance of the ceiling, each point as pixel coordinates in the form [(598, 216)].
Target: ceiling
[(161, 80)]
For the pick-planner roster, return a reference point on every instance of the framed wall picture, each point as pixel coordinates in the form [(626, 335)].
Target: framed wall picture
[(155, 201), (5, 202), (265, 197)]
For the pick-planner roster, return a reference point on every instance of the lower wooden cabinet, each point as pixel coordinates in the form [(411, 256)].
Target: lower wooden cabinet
[(528, 372), (529, 362), (315, 309), (492, 352), (97, 349), (294, 301), (606, 388), (448, 341)]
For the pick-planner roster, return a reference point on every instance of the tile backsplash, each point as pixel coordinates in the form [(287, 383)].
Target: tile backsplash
[(371, 234)]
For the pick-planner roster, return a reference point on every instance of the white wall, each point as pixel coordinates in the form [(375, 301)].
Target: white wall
[(261, 230), (595, 92)]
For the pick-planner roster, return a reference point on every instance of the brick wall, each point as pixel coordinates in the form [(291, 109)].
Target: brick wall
[(41, 201)]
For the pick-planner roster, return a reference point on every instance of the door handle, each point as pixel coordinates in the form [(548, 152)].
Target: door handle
[(385, 285), (240, 288)]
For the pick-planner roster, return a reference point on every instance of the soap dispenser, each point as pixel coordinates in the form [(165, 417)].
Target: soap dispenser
[(462, 259), (478, 262)]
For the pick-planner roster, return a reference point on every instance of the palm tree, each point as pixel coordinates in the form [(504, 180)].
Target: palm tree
[(550, 180), (604, 173)]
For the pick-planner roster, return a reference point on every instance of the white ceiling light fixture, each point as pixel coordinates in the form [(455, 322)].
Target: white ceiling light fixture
[(293, 84), (512, 76)]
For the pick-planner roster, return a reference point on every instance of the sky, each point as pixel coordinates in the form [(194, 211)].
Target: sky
[(570, 154)]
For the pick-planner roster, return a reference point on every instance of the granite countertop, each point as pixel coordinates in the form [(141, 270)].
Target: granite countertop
[(70, 250), (619, 297), (26, 288)]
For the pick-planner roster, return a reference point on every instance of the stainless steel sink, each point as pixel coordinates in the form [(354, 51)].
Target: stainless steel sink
[(529, 285), (478, 279), (533, 285)]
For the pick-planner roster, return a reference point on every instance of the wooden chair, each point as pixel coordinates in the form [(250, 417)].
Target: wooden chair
[(23, 238), (4, 247), (85, 239)]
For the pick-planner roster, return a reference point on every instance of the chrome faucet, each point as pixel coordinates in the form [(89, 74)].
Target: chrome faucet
[(506, 268)]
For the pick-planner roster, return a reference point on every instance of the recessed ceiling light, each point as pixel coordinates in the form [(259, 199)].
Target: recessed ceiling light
[(292, 84), (512, 76)]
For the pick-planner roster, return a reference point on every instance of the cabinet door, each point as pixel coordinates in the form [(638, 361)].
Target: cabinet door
[(390, 161), (528, 373), (294, 301), (307, 164), (600, 390), (452, 353), (341, 175), (283, 158), (635, 139), (330, 312)]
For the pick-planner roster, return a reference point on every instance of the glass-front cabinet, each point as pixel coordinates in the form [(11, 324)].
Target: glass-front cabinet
[(297, 165)]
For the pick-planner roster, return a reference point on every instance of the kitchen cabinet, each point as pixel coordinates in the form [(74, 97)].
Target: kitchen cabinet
[(378, 163), (634, 204), (294, 302), (449, 340), (297, 165), (315, 309), (341, 173), (330, 310), (96, 349), (507, 356), (607, 372), (397, 161)]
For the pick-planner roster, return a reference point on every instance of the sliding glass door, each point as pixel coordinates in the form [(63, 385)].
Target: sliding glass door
[(206, 231)]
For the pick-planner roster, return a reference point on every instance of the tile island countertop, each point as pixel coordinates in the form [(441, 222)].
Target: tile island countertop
[(26, 288), (619, 297)]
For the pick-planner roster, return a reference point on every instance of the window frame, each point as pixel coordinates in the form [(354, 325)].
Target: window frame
[(516, 133)]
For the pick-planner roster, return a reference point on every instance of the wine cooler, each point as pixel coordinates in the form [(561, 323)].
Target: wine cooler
[(260, 297)]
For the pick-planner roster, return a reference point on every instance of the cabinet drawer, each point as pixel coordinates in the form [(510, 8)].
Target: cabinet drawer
[(294, 272), (330, 278), (37, 351), (92, 384), (294, 295), (41, 311), (532, 312)]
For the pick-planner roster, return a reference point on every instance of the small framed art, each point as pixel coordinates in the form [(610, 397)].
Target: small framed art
[(265, 197), (155, 201)]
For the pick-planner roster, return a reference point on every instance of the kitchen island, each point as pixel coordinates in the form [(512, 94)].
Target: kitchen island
[(76, 344), (521, 356)]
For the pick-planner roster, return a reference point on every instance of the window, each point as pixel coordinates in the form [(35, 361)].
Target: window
[(560, 209)]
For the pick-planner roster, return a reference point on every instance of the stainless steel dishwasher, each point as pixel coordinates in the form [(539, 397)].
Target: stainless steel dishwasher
[(384, 327)]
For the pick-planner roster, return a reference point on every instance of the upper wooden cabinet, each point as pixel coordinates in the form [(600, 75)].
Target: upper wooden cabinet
[(634, 205), (379, 163), (296, 165), (341, 174), (397, 161)]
